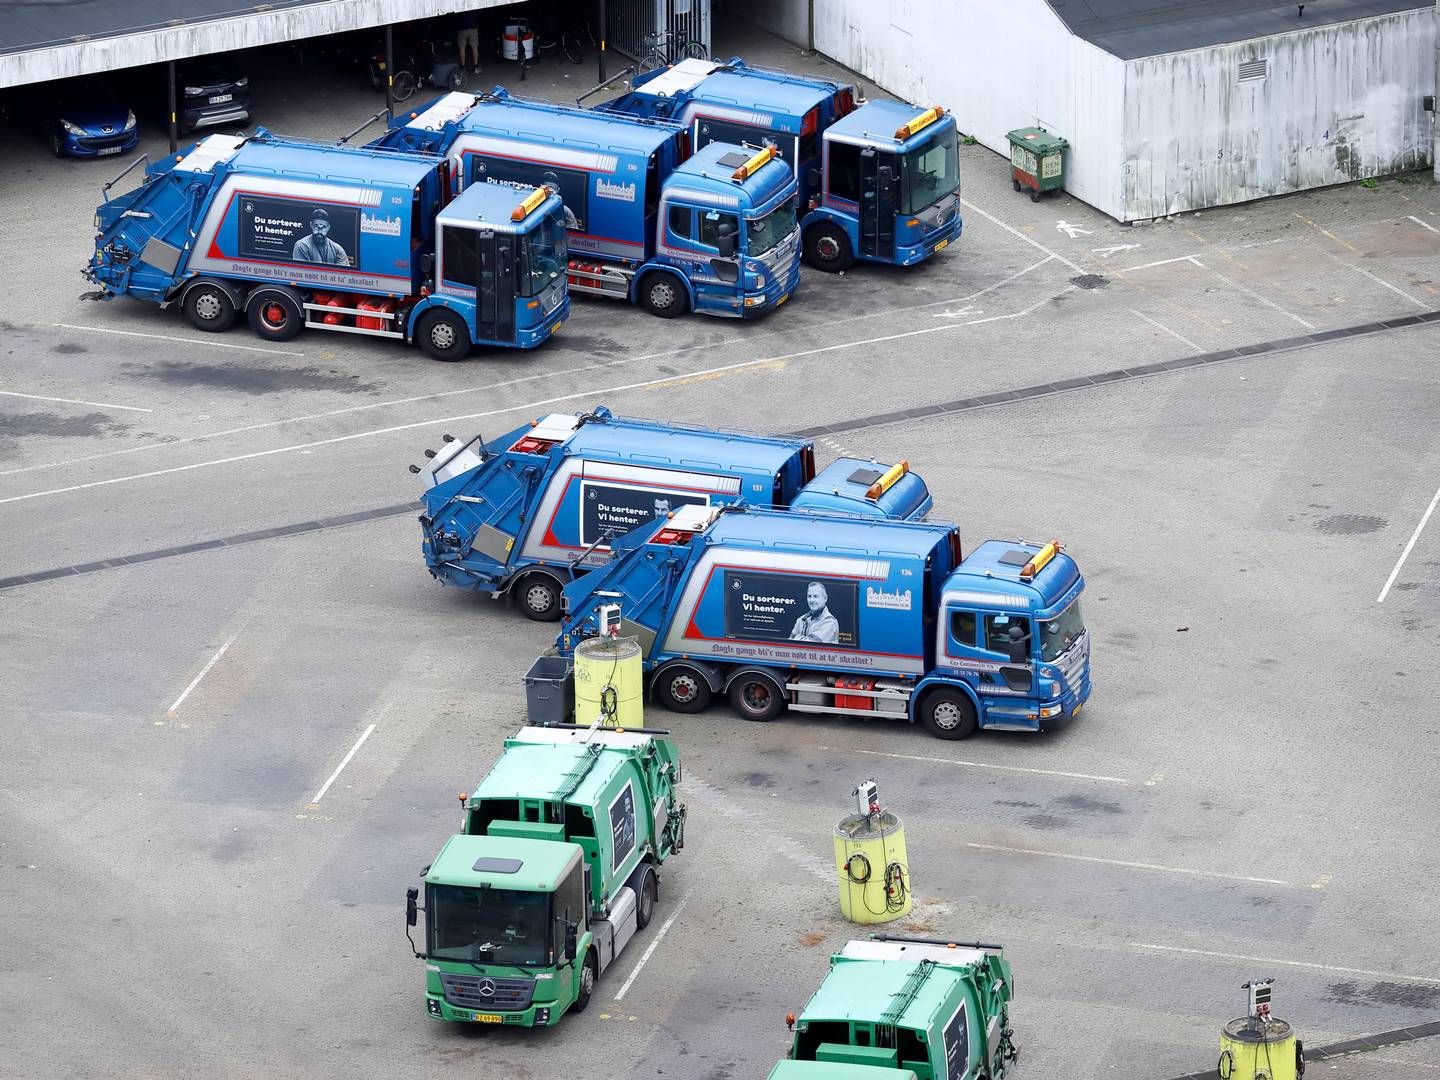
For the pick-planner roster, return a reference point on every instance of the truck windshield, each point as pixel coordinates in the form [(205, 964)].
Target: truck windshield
[(771, 229), (499, 926), (929, 172), (543, 256), (1057, 635)]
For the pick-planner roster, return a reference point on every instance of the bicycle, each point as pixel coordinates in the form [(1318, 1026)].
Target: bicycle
[(442, 73), (662, 48)]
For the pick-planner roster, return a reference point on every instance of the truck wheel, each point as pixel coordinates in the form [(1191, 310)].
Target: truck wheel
[(274, 315), (209, 308), (443, 335), (827, 248), (755, 698), (645, 903), (683, 690), (661, 294), (949, 714), (587, 983), (539, 597)]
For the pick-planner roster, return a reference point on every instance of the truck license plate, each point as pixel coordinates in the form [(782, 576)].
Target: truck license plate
[(942, 245), (109, 150), (489, 1018), (220, 99)]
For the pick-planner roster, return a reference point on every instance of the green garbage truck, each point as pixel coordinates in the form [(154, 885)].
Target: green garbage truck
[(555, 871), (906, 1008)]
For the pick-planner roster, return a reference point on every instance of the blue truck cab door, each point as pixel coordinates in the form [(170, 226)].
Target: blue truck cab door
[(992, 651), (478, 265), (879, 186)]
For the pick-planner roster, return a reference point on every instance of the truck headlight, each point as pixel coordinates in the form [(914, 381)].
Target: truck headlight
[(73, 129)]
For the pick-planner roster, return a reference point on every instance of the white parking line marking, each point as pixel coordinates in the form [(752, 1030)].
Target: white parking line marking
[(196, 681), (1191, 259), (1017, 233), (1267, 302), (1408, 548), (1378, 280), (549, 375), (989, 765), (181, 340), (625, 989), (1287, 963), (341, 767), (912, 333), (1162, 326), (1131, 865), (72, 401), (1423, 224)]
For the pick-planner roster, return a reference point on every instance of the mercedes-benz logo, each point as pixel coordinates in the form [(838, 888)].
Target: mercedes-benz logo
[(486, 988)]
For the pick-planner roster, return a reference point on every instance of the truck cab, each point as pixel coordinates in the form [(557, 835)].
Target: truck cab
[(866, 489), (879, 181), (896, 1008), (1011, 628), (728, 223)]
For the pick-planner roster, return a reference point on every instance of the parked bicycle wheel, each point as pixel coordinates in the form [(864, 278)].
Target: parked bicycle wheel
[(404, 85), (693, 50), (653, 58)]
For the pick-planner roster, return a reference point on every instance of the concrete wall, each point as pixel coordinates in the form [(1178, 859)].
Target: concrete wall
[(220, 35), (997, 65), (788, 19), (1338, 103)]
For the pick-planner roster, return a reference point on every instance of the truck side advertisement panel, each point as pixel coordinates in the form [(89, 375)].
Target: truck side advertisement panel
[(810, 611), (325, 234), (586, 500), (604, 195)]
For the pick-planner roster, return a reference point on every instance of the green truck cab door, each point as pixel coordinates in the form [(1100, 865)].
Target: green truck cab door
[(879, 183)]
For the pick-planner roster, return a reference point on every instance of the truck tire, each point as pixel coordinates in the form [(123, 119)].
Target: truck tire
[(827, 248), (443, 335), (756, 698), (208, 307), (539, 597), (683, 690), (661, 294), (645, 902), (274, 314), (949, 714), (587, 983)]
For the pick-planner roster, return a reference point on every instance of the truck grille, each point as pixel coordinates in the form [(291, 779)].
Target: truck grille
[(486, 993)]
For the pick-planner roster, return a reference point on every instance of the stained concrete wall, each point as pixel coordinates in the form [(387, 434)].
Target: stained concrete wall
[(1336, 103)]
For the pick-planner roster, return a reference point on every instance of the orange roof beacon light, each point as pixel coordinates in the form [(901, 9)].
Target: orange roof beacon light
[(1039, 560), (887, 480), (918, 123), (755, 164), (529, 203)]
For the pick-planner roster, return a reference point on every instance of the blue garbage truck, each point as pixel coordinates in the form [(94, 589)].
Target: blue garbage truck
[(714, 233), (524, 514), (845, 615), (295, 235), (879, 180)]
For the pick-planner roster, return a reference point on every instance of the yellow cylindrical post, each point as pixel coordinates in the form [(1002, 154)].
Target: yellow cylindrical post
[(608, 682), (1252, 1049), (873, 867)]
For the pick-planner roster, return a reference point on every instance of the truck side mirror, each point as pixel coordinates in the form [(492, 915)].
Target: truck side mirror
[(411, 896), (572, 935), (812, 178), (427, 264)]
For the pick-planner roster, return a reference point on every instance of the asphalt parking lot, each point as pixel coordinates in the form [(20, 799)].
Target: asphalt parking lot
[(195, 886)]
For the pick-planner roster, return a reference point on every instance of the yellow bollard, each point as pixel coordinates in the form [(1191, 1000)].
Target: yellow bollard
[(1259, 1046), (873, 867), (608, 682)]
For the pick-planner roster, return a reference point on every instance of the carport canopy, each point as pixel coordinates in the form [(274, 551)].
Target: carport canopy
[(41, 40)]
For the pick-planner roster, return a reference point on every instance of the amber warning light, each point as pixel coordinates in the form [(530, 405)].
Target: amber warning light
[(754, 165), (528, 205), (1039, 560), (924, 120)]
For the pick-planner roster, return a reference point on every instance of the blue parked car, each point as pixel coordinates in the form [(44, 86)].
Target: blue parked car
[(86, 119)]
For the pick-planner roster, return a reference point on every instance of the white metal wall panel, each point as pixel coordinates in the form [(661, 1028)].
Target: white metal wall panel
[(1337, 103), (997, 67)]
